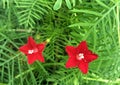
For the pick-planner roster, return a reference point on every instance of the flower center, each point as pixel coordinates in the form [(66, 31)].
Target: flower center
[(80, 56), (33, 51)]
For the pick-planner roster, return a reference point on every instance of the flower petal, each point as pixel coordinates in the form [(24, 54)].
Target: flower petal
[(83, 66), (40, 57), (31, 58), (82, 47), (31, 43), (72, 62), (91, 57), (41, 47), (24, 49), (71, 51)]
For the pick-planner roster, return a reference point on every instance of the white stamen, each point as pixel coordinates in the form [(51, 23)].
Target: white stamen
[(30, 51), (33, 51), (80, 56)]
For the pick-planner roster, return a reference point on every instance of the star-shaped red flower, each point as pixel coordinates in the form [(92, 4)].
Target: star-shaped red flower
[(80, 57), (33, 50)]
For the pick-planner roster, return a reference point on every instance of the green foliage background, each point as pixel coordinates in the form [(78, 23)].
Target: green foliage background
[(64, 22)]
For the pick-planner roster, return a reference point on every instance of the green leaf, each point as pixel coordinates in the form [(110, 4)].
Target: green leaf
[(68, 4), (3, 84), (102, 4), (80, 1), (30, 11), (57, 5), (74, 2)]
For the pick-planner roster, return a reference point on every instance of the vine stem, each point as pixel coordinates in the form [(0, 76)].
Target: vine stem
[(103, 80), (21, 30), (118, 22)]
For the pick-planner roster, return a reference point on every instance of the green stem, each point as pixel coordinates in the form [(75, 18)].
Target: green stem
[(102, 80), (118, 22)]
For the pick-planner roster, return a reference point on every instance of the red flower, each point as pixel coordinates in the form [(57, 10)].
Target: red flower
[(80, 57), (33, 50)]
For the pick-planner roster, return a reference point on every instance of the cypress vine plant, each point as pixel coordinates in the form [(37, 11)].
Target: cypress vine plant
[(60, 23)]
